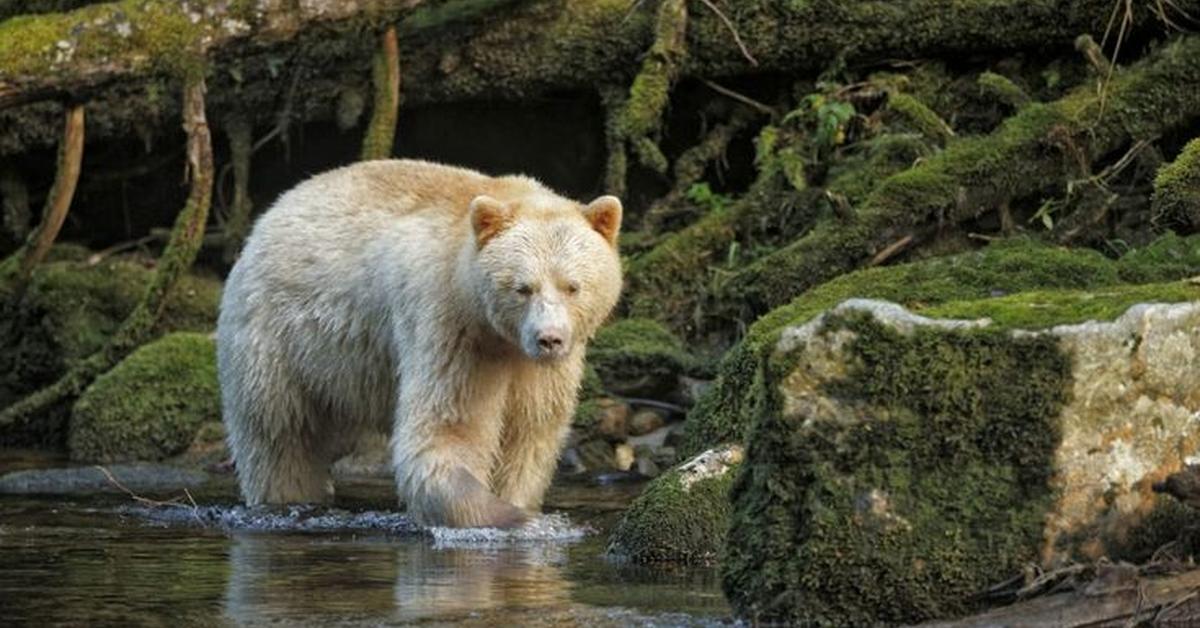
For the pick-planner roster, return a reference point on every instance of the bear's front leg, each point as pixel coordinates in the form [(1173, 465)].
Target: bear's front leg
[(442, 462), (537, 419)]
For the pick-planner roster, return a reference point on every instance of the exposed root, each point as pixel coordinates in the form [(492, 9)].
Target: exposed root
[(381, 131), (737, 38), (237, 223), (691, 165), (613, 99), (180, 252), (640, 119), (58, 201)]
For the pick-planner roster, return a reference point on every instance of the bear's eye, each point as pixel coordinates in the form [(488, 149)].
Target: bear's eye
[(525, 289), (573, 288)]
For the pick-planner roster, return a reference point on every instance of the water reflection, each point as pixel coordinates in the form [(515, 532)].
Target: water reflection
[(282, 578), (99, 560)]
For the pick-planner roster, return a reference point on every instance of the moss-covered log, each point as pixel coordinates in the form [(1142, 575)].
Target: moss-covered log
[(538, 46), (979, 174)]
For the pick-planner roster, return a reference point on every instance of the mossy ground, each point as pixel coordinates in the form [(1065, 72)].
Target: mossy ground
[(936, 490), (150, 406), (1063, 286), (639, 357), (71, 309), (668, 523)]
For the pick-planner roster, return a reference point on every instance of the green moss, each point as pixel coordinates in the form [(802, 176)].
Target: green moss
[(1005, 267), (1004, 88), (670, 523), (639, 357), (976, 174), (921, 118), (1047, 308), (932, 488), (1168, 258), (162, 34), (1177, 188), (70, 311), (151, 405)]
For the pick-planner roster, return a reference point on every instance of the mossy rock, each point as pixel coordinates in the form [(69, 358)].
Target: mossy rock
[(151, 405), (995, 272), (898, 464), (683, 515), (639, 357), (1177, 189), (70, 310)]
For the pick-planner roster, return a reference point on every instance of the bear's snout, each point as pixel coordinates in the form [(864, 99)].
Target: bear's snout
[(550, 341)]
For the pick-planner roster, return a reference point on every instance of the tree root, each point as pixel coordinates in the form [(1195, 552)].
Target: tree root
[(381, 131), (58, 201), (691, 164), (640, 118), (180, 252), (237, 222)]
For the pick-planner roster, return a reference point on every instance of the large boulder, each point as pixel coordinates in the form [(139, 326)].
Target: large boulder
[(898, 464), (151, 405), (1003, 268)]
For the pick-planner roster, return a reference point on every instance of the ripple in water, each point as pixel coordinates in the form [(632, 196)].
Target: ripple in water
[(545, 528)]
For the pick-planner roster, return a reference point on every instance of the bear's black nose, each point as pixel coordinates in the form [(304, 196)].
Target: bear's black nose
[(549, 341)]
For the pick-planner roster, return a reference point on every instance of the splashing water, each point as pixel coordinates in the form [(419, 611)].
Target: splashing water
[(549, 528), (546, 528), (288, 518)]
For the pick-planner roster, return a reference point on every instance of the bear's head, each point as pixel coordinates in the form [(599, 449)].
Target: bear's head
[(548, 269)]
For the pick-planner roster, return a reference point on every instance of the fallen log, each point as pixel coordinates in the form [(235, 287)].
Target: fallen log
[(533, 48)]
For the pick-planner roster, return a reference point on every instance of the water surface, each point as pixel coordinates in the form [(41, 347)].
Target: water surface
[(107, 559)]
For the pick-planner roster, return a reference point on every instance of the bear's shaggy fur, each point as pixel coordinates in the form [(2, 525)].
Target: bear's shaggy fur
[(445, 306)]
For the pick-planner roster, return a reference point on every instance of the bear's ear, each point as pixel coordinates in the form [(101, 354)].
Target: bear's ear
[(604, 214), (488, 218)]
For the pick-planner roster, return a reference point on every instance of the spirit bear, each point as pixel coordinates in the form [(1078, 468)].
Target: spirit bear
[(444, 306)]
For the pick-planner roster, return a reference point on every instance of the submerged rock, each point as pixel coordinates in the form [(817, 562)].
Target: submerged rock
[(140, 478), (682, 516), (151, 405), (898, 464)]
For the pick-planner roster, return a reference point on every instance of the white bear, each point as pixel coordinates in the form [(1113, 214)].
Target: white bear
[(447, 307)]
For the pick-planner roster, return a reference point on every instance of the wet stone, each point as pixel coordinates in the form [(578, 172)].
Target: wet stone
[(151, 478)]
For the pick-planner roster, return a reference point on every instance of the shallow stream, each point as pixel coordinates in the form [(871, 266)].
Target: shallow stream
[(108, 559)]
